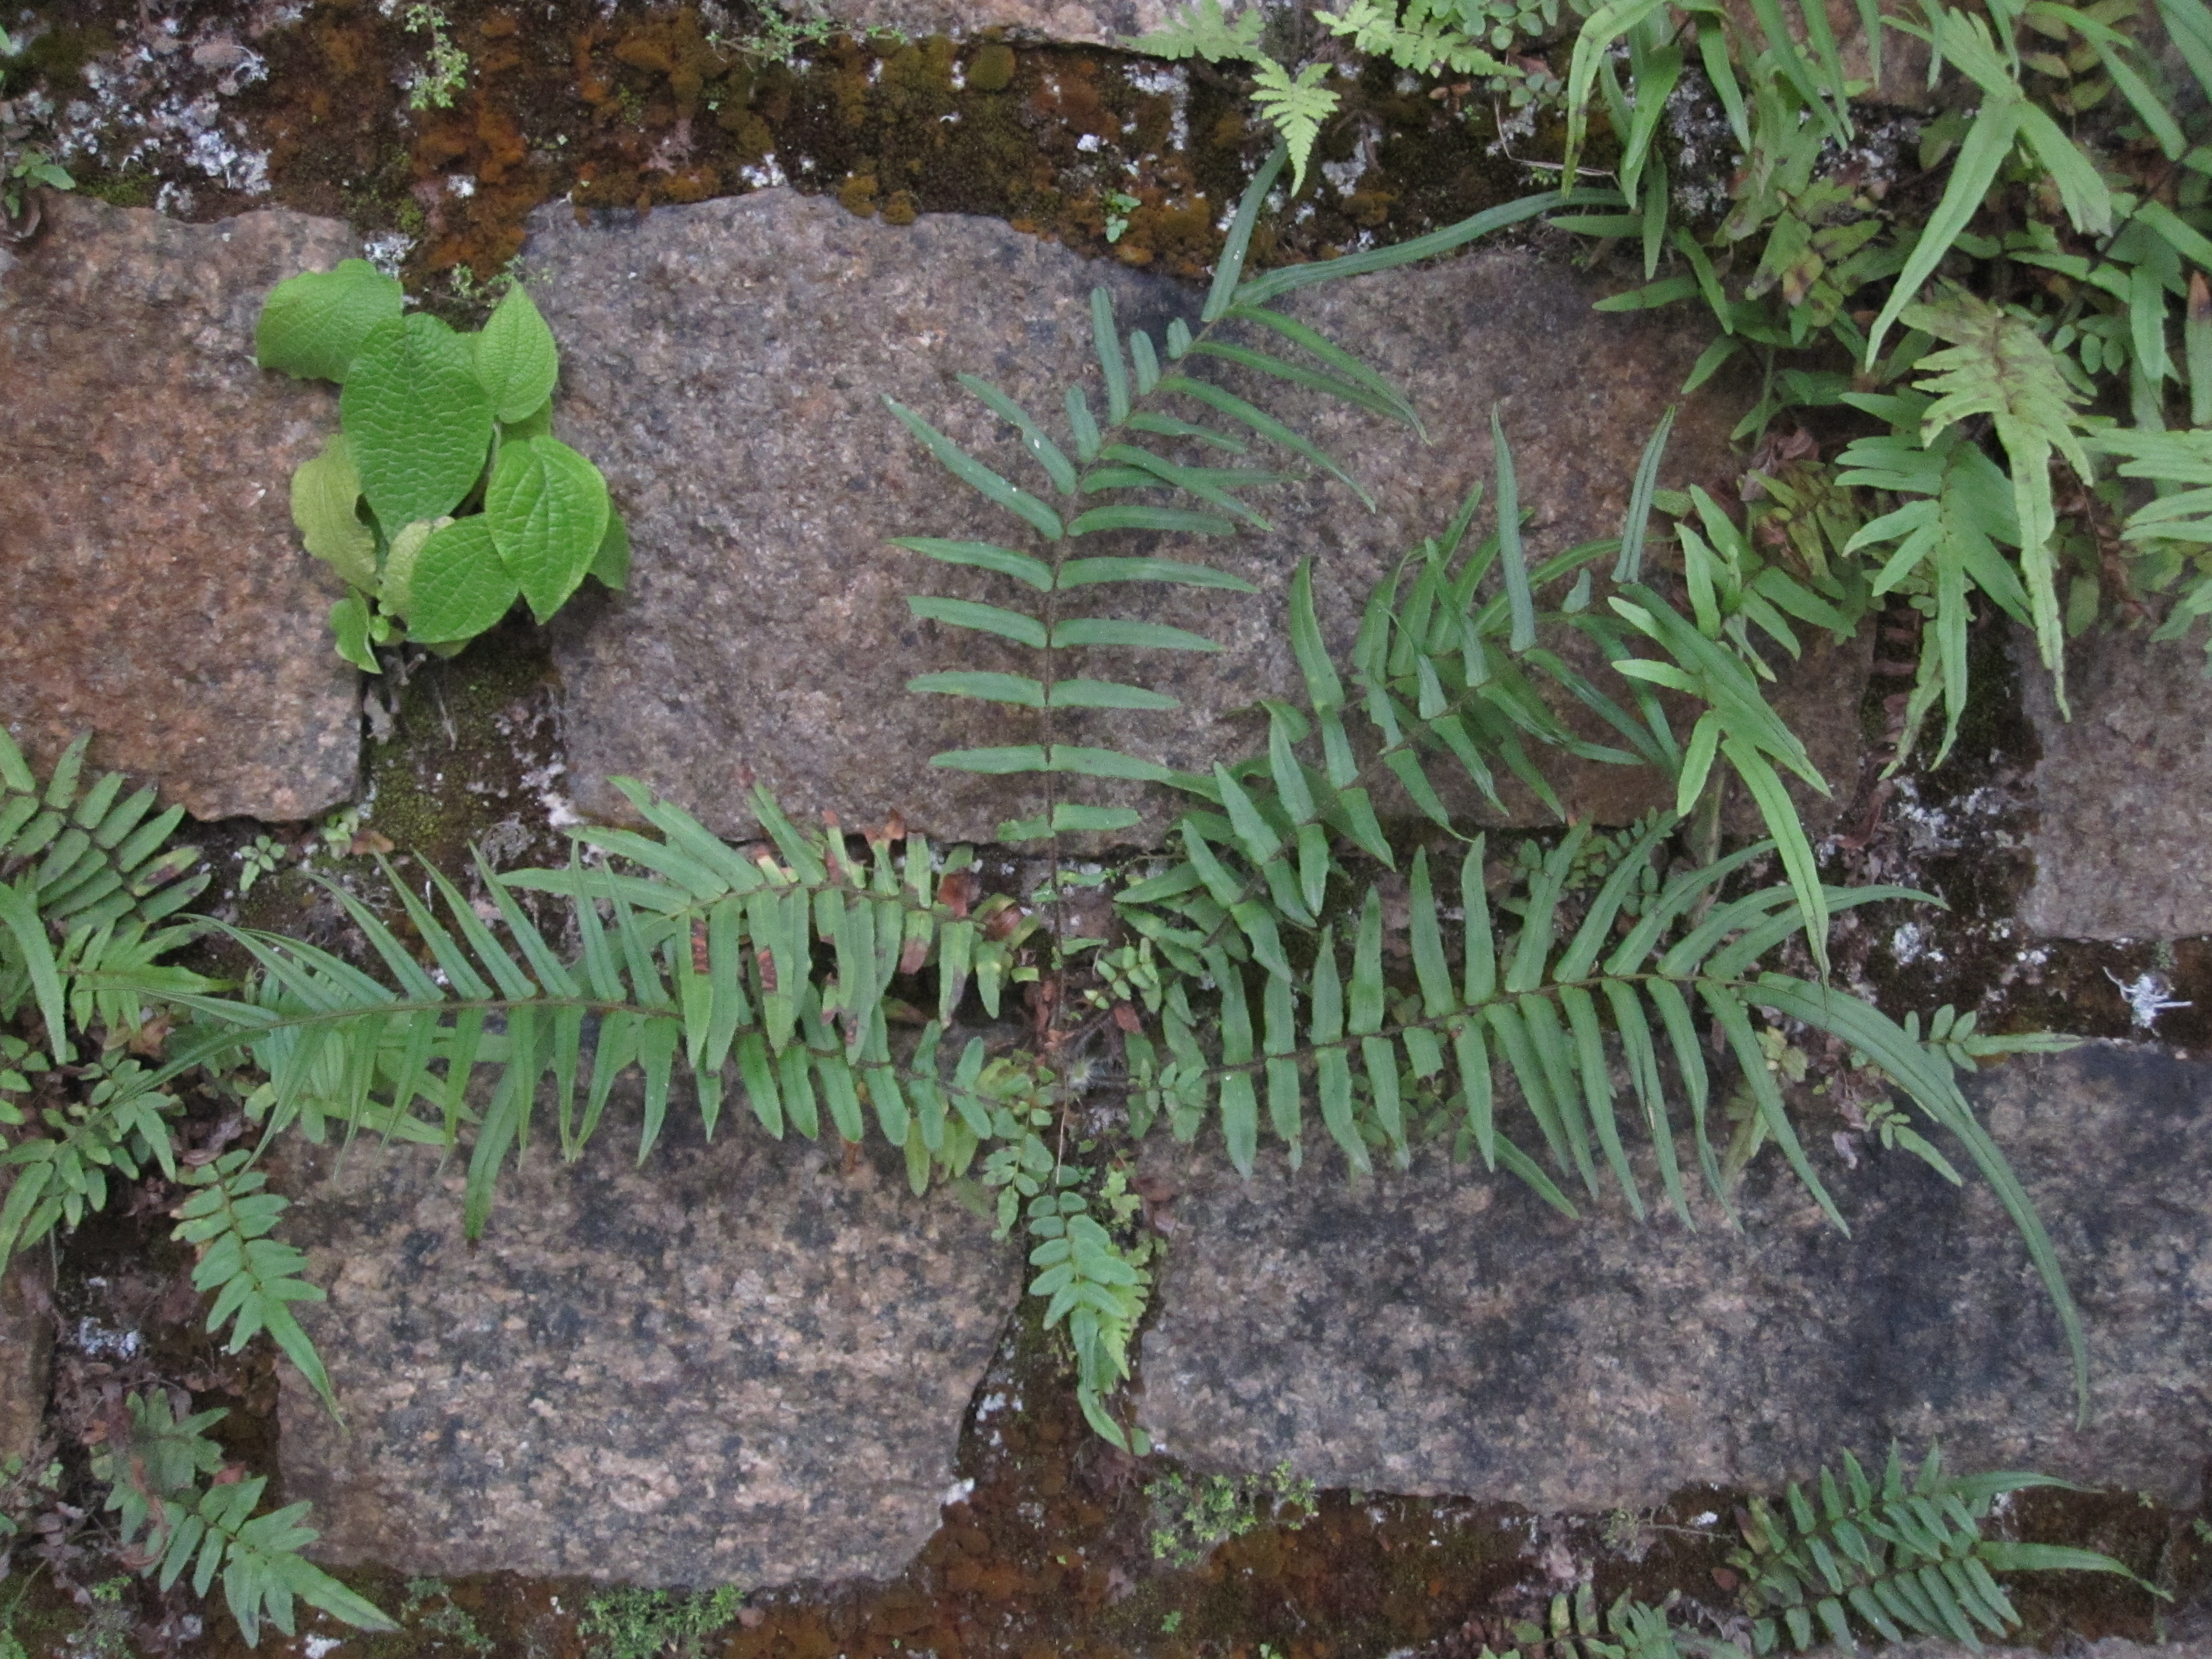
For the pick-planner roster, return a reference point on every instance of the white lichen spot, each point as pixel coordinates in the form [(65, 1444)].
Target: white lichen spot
[(105, 1341), (315, 1647), (388, 251), (2146, 997), (1344, 176), (764, 174), (1088, 143)]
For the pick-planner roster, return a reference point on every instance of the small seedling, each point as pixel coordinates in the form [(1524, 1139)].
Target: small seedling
[(1120, 204), (432, 422), (263, 858), (648, 1624), (439, 81), (1197, 1515)]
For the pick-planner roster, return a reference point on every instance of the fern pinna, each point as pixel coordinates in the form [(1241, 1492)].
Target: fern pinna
[(170, 1522), (1904, 1557)]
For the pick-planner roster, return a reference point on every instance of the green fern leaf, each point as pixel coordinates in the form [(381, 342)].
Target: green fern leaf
[(1205, 32), (255, 1278), (1295, 107), (1999, 365)]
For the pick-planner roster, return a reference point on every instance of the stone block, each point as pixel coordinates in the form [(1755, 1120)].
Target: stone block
[(1441, 1333), (152, 588), (743, 1363), (2124, 791), (726, 365), (27, 1350)]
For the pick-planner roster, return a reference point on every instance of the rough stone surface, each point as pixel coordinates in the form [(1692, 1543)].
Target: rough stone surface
[(1438, 1333), (27, 1347), (1071, 22), (152, 589), (726, 366), (741, 1365), (2124, 791)]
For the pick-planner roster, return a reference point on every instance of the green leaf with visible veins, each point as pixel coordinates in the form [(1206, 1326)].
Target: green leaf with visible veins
[(548, 508), (417, 422), (611, 564), (398, 585), (516, 358), (460, 587), (313, 325), (325, 493), (349, 622)]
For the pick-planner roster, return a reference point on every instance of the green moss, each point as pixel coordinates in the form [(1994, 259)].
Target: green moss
[(124, 190), (993, 68), (61, 53)]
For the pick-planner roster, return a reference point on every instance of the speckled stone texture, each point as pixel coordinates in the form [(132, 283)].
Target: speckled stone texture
[(1438, 1333), (152, 589), (726, 365), (741, 1365), (1064, 22), (2124, 791), (26, 1347)]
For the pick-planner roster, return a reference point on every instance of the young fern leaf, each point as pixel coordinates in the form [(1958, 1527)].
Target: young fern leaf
[(1295, 106), (88, 855), (1958, 509), (1900, 1557), (255, 1278), (1205, 32), (167, 1520), (1739, 726), (1998, 366), (62, 1177)]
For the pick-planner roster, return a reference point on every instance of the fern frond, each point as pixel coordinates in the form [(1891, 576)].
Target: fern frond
[(1295, 106), (258, 1556), (154, 1483), (1119, 471), (1418, 40), (255, 1278), (1999, 365), (118, 1129), (708, 954), (163, 1455), (88, 854), (1204, 32), (1958, 510), (1902, 1556)]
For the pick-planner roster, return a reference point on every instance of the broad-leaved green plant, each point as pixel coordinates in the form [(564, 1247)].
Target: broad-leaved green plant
[(444, 497)]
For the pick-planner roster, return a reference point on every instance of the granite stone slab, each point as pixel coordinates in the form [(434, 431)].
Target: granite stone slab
[(2124, 791), (743, 1363), (726, 364), (27, 1348), (1442, 1333), (152, 588)]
